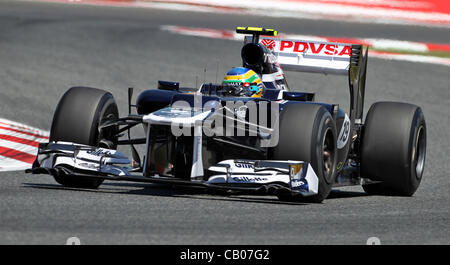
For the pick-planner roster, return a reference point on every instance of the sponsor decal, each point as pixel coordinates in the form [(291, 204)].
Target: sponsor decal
[(234, 83), (99, 152), (270, 44), (243, 165), (295, 183), (324, 49), (249, 179)]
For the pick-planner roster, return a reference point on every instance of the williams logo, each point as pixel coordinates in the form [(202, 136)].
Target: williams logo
[(243, 165), (249, 179), (99, 152)]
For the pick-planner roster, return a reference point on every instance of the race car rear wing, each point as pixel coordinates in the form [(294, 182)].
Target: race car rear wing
[(327, 58), (311, 56), (319, 57)]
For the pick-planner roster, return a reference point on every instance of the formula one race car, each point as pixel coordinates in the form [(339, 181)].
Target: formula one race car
[(249, 133)]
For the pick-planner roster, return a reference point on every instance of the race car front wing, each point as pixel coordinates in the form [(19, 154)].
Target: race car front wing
[(261, 176)]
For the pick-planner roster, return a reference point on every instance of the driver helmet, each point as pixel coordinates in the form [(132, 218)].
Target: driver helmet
[(241, 81)]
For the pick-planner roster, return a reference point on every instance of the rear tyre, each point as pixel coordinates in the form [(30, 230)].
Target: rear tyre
[(308, 133), (77, 118), (393, 148)]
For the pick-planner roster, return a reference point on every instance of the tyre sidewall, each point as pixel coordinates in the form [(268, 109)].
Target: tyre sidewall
[(77, 118), (323, 123), (302, 131), (388, 145)]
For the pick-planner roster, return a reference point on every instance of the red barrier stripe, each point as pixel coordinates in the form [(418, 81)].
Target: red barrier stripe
[(28, 133), (17, 155), (19, 140), (349, 40), (19, 127), (438, 47)]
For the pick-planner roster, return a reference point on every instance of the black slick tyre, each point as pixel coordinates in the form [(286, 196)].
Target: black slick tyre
[(77, 118), (393, 148), (307, 133)]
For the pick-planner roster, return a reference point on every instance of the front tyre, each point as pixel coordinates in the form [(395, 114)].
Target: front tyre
[(393, 148), (308, 133), (77, 118)]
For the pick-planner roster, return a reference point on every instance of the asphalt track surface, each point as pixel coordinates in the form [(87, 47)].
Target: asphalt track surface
[(46, 48)]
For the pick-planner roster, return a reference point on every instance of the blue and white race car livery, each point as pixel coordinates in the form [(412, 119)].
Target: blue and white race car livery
[(249, 133)]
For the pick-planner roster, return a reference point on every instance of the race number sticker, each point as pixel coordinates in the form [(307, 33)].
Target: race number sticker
[(344, 133)]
